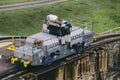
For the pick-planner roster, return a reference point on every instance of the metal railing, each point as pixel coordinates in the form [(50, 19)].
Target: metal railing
[(115, 30)]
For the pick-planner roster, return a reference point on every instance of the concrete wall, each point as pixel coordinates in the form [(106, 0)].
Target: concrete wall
[(103, 63)]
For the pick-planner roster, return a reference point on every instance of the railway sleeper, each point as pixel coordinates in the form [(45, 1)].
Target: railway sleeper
[(28, 76)]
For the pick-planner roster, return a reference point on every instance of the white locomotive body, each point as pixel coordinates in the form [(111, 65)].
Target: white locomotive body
[(57, 40)]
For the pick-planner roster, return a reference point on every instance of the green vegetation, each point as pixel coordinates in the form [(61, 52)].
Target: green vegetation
[(102, 14), (3, 2)]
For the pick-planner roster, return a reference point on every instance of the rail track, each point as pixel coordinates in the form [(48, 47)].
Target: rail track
[(8, 38), (15, 73)]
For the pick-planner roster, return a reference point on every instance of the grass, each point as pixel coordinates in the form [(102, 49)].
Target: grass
[(101, 14), (4, 2)]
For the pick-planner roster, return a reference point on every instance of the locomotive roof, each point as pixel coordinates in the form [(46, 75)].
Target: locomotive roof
[(42, 36), (46, 36)]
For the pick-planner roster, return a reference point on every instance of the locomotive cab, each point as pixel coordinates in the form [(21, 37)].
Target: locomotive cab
[(55, 26)]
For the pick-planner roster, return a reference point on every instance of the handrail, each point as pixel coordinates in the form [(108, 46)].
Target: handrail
[(109, 31)]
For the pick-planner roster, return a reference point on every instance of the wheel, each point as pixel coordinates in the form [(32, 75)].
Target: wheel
[(12, 61)]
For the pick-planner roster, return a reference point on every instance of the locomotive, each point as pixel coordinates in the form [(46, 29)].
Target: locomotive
[(57, 40)]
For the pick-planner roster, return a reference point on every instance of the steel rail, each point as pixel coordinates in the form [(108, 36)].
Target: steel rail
[(105, 36), (13, 70), (10, 37)]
